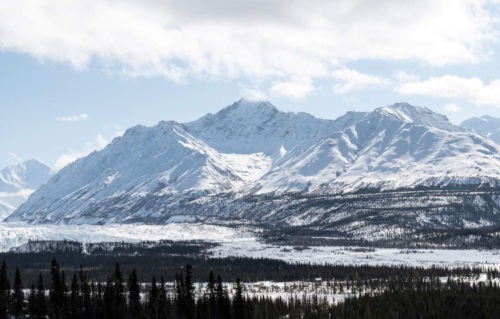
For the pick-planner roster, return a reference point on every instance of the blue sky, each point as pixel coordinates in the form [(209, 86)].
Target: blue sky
[(75, 74)]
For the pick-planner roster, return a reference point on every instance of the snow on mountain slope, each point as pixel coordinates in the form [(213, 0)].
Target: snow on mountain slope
[(17, 182), (485, 125), (392, 147), (417, 151), (247, 127), (5, 210), (164, 161), (226, 164)]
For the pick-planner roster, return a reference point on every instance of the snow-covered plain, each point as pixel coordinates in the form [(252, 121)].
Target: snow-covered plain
[(350, 256), (17, 234), (242, 242)]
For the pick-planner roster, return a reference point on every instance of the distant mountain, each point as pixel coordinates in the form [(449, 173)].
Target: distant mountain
[(397, 167), (17, 182), (485, 125), (5, 210)]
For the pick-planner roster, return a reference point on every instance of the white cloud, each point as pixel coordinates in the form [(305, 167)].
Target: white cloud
[(73, 118), (273, 39), (403, 76), (97, 144), (352, 80), (298, 88), (452, 107), (472, 90), (16, 157), (253, 94)]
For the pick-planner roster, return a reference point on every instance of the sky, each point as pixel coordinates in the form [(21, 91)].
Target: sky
[(76, 74)]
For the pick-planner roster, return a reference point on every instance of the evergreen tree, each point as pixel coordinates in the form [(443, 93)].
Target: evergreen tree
[(239, 302), (211, 295), (163, 306), (32, 302), (223, 302), (134, 295), (179, 294), (74, 297), (41, 301), (64, 296), (86, 298), (4, 291), (190, 305), (56, 293), (17, 296), (108, 300), (119, 297), (153, 297)]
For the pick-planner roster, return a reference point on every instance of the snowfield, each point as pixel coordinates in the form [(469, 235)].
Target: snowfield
[(17, 234), (242, 242), (351, 256)]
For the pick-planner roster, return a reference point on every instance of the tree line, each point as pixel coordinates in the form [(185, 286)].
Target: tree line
[(79, 296)]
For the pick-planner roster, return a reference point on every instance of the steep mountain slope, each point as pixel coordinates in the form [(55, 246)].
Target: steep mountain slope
[(119, 182), (485, 125), (400, 146), (17, 182), (247, 127), (5, 210), (399, 166)]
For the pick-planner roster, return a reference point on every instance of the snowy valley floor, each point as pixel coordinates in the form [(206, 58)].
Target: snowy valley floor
[(242, 242)]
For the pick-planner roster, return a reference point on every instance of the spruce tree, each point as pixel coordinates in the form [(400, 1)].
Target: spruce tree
[(56, 293), (4, 291), (32, 302), (153, 299), (64, 295), (108, 299), (74, 297), (134, 295), (41, 300), (190, 305), (17, 296), (238, 301), (86, 298), (179, 294), (211, 295), (223, 302), (163, 301), (119, 297)]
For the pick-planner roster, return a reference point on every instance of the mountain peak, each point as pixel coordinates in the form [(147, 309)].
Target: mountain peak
[(35, 163), (416, 114), (486, 125), (17, 182), (246, 107)]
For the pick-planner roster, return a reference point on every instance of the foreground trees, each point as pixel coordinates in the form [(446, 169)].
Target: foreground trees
[(82, 298)]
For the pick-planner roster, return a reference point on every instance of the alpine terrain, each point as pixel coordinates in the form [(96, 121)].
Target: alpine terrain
[(485, 125), (17, 182), (396, 170)]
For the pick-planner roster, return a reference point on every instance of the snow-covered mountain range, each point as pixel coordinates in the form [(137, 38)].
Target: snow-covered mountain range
[(485, 125), (17, 182), (252, 160)]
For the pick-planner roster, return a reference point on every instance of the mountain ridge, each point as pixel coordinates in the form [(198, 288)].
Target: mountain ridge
[(240, 161), (17, 182)]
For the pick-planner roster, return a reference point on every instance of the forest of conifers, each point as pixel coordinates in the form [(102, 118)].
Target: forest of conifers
[(399, 293)]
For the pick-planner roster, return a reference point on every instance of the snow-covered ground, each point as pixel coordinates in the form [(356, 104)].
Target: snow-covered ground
[(347, 255), (241, 242), (17, 234)]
